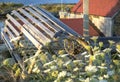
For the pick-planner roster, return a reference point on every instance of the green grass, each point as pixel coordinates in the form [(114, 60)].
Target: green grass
[(7, 7)]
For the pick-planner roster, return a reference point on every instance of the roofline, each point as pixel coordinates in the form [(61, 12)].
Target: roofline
[(115, 14)]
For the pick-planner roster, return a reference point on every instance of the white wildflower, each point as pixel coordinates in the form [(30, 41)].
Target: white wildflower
[(64, 55), (76, 69), (106, 76), (62, 74), (36, 70), (69, 80), (67, 63), (102, 67), (119, 55), (84, 53), (103, 64), (47, 70), (107, 50), (101, 44), (94, 38), (53, 67), (90, 68), (57, 80), (100, 78), (60, 62), (48, 64), (87, 80), (87, 56), (73, 76), (111, 42), (77, 61)]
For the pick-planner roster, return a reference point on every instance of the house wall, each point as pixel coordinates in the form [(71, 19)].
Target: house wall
[(63, 14), (105, 24)]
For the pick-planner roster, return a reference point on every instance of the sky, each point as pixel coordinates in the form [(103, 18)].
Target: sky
[(27, 2)]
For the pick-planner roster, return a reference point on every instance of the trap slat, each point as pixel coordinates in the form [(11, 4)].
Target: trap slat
[(55, 21), (14, 21), (43, 19), (11, 35), (32, 39), (33, 28), (35, 42), (45, 15), (37, 22), (12, 28)]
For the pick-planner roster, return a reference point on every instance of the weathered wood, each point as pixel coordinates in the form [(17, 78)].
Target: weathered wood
[(37, 22), (11, 35), (37, 37), (44, 14), (32, 39), (14, 21), (12, 28), (7, 41), (43, 19), (56, 21), (33, 28)]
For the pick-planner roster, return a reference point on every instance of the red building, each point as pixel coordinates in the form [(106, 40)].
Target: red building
[(103, 14)]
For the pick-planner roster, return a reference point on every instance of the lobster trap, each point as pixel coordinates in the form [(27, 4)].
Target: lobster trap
[(31, 30)]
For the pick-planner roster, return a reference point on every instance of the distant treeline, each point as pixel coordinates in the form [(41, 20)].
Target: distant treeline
[(55, 8), (7, 7)]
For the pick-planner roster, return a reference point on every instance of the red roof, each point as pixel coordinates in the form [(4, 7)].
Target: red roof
[(77, 25), (106, 8)]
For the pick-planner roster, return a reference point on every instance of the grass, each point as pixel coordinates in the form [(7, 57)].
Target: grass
[(55, 8), (7, 7)]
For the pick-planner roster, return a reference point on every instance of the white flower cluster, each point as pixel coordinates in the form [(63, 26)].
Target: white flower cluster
[(49, 63), (91, 68), (62, 74)]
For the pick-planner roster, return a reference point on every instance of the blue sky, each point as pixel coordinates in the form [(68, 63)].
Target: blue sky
[(26, 2)]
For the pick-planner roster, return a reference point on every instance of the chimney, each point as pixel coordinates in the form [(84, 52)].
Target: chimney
[(86, 18)]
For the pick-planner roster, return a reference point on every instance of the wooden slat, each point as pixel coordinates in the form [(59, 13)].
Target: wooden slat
[(11, 35), (31, 38), (37, 22), (12, 28), (44, 14), (34, 29), (43, 19), (24, 31), (56, 21), (32, 33), (14, 21), (7, 41)]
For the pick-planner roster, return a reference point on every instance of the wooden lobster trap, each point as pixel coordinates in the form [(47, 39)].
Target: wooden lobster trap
[(28, 29)]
